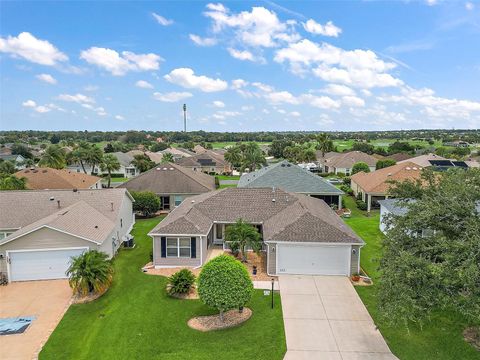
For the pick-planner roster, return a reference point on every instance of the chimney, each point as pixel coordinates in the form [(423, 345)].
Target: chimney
[(58, 204)]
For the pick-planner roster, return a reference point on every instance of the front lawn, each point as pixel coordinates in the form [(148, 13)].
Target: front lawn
[(135, 319), (440, 339), (228, 177)]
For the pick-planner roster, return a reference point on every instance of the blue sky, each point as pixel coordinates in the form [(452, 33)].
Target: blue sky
[(240, 66)]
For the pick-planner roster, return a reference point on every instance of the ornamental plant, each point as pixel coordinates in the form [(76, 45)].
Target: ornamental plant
[(181, 282), (224, 284)]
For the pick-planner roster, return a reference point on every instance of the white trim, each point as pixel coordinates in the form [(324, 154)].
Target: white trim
[(311, 243), (51, 228), (174, 235), (7, 258), (178, 256)]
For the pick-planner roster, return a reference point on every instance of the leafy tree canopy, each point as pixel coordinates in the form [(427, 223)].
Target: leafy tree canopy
[(146, 202), (360, 166)]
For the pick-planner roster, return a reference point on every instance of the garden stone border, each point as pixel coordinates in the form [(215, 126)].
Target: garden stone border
[(231, 319)]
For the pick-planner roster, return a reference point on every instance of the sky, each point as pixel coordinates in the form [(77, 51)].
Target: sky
[(240, 65)]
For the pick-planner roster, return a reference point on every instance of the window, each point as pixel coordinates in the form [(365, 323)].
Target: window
[(178, 200), (4, 234), (178, 247), (219, 231)]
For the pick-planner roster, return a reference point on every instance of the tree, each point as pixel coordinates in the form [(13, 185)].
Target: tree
[(234, 156), (159, 147), (20, 149), (242, 234), (168, 157), (53, 157), (11, 182), (90, 272), (224, 284), (400, 147), (142, 162), (146, 202), (109, 164), (277, 148), (431, 257), (460, 152), (94, 156), (7, 167), (324, 144), (79, 154), (108, 148), (253, 156), (360, 166), (363, 147), (384, 163), (54, 139)]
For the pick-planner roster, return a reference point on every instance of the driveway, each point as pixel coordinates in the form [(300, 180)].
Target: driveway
[(46, 300), (325, 319)]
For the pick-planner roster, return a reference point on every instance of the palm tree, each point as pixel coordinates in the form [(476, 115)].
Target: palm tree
[(168, 157), (142, 162), (324, 143), (253, 156), (54, 157), (11, 182), (242, 234), (7, 167), (109, 164), (234, 156), (80, 155), (90, 272), (94, 157)]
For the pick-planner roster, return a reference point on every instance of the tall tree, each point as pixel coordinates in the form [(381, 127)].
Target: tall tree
[(431, 254), (242, 234), (54, 157), (7, 167), (79, 155), (324, 143), (253, 156), (109, 164), (168, 157), (11, 182), (234, 156), (142, 162), (94, 157)]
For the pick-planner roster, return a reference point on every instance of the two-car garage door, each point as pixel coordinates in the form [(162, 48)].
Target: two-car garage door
[(313, 259), (41, 264)]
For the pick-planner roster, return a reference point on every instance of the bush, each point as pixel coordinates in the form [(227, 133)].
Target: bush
[(347, 180), (224, 284), (346, 189), (384, 163), (361, 205), (146, 202), (341, 175), (181, 282), (360, 166), (90, 272)]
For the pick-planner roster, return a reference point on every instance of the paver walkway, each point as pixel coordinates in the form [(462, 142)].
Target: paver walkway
[(46, 300), (325, 319)]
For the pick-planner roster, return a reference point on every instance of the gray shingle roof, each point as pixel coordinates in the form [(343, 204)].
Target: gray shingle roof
[(170, 178), (393, 206), (290, 217), (288, 177)]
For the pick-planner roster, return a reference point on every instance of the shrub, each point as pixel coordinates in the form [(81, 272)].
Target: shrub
[(224, 284), (384, 163), (347, 180), (90, 272), (181, 282), (360, 166), (340, 174), (361, 205), (346, 189), (146, 202)]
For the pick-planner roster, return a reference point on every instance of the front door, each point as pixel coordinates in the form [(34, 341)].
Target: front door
[(165, 202)]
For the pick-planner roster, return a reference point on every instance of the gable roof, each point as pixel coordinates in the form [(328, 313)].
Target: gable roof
[(285, 216), (288, 177), (123, 158), (206, 158), (348, 159), (423, 160), (48, 178), (155, 157), (23, 207), (400, 157), (377, 181), (168, 178)]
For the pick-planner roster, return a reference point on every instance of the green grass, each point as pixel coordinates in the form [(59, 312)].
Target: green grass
[(228, 177), (135, 319), (440, 339), (383, 143)]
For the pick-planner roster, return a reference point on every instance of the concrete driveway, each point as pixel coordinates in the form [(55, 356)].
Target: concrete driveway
[(325, 319), (46, 300)]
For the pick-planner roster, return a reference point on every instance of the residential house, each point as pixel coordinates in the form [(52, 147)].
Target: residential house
[(209, 162), (400, 157), (292, 178), (48, 178), (40, 230), (422, 160), (126, 170), (343, 162), (300, 234), (18, 160), (172, 183), (153, 156), (439, 163), (177, 153), (375, 185), (199, 149)]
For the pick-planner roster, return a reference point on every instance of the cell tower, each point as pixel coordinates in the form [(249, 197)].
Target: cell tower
[(184, 117)]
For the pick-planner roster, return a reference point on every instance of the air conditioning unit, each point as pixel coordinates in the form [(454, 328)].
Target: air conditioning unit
[(129, 241)]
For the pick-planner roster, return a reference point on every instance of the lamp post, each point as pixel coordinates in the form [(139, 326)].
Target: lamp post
[(273, 283)]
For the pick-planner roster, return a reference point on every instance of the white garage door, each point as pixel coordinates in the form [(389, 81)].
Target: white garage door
[(40, 265), (313, 260)]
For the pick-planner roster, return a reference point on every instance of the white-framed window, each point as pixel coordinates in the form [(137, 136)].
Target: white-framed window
[(179, 247), (4, 234), (178, 200)]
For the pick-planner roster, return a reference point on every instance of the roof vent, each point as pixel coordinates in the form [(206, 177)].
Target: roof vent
[(193, 201), (164, 169), (408, 168), (44, 171), (171, 169), (288, 165), (52, 198), (283, 165), (389, 174), (415, 168), (75, 189), (273, 200), (158, 169), (96, 226)]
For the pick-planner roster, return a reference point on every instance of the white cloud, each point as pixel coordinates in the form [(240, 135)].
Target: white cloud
[(338, 90), (469, 6), (28, 47), (263, 87), (77, 98), (282, 97), (119, 64), (431, 2), (186, 78), (42, 109), (119, 117), (29, 103), (353, 101), (239, 83), (90, 88), (295, 114), (143, 84), (321, 102), (161, 20), (203, 41), (241, 55), (329, 29), (46, 78), (171, 96), (219, 104)]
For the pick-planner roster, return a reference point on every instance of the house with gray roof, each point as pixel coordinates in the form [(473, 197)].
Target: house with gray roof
[(292, 178), (40, 230), (126, 168), (172, 183), (301, 234)]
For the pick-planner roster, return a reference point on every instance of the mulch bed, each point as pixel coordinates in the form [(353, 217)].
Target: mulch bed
[(230, 319), (472, 336), (191, 295), (77, 299)]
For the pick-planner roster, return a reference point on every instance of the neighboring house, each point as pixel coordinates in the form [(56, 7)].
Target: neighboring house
[(422, 160), (399, 157), (439, 163), (155, 157), (172, 183), (458, 143), (375, 185), (18, 160), (199, 149), (47, 178), (126, 168), (40, 230), (209, 162), (177, 153), (343, 162), (301, 234), (292, 178)]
